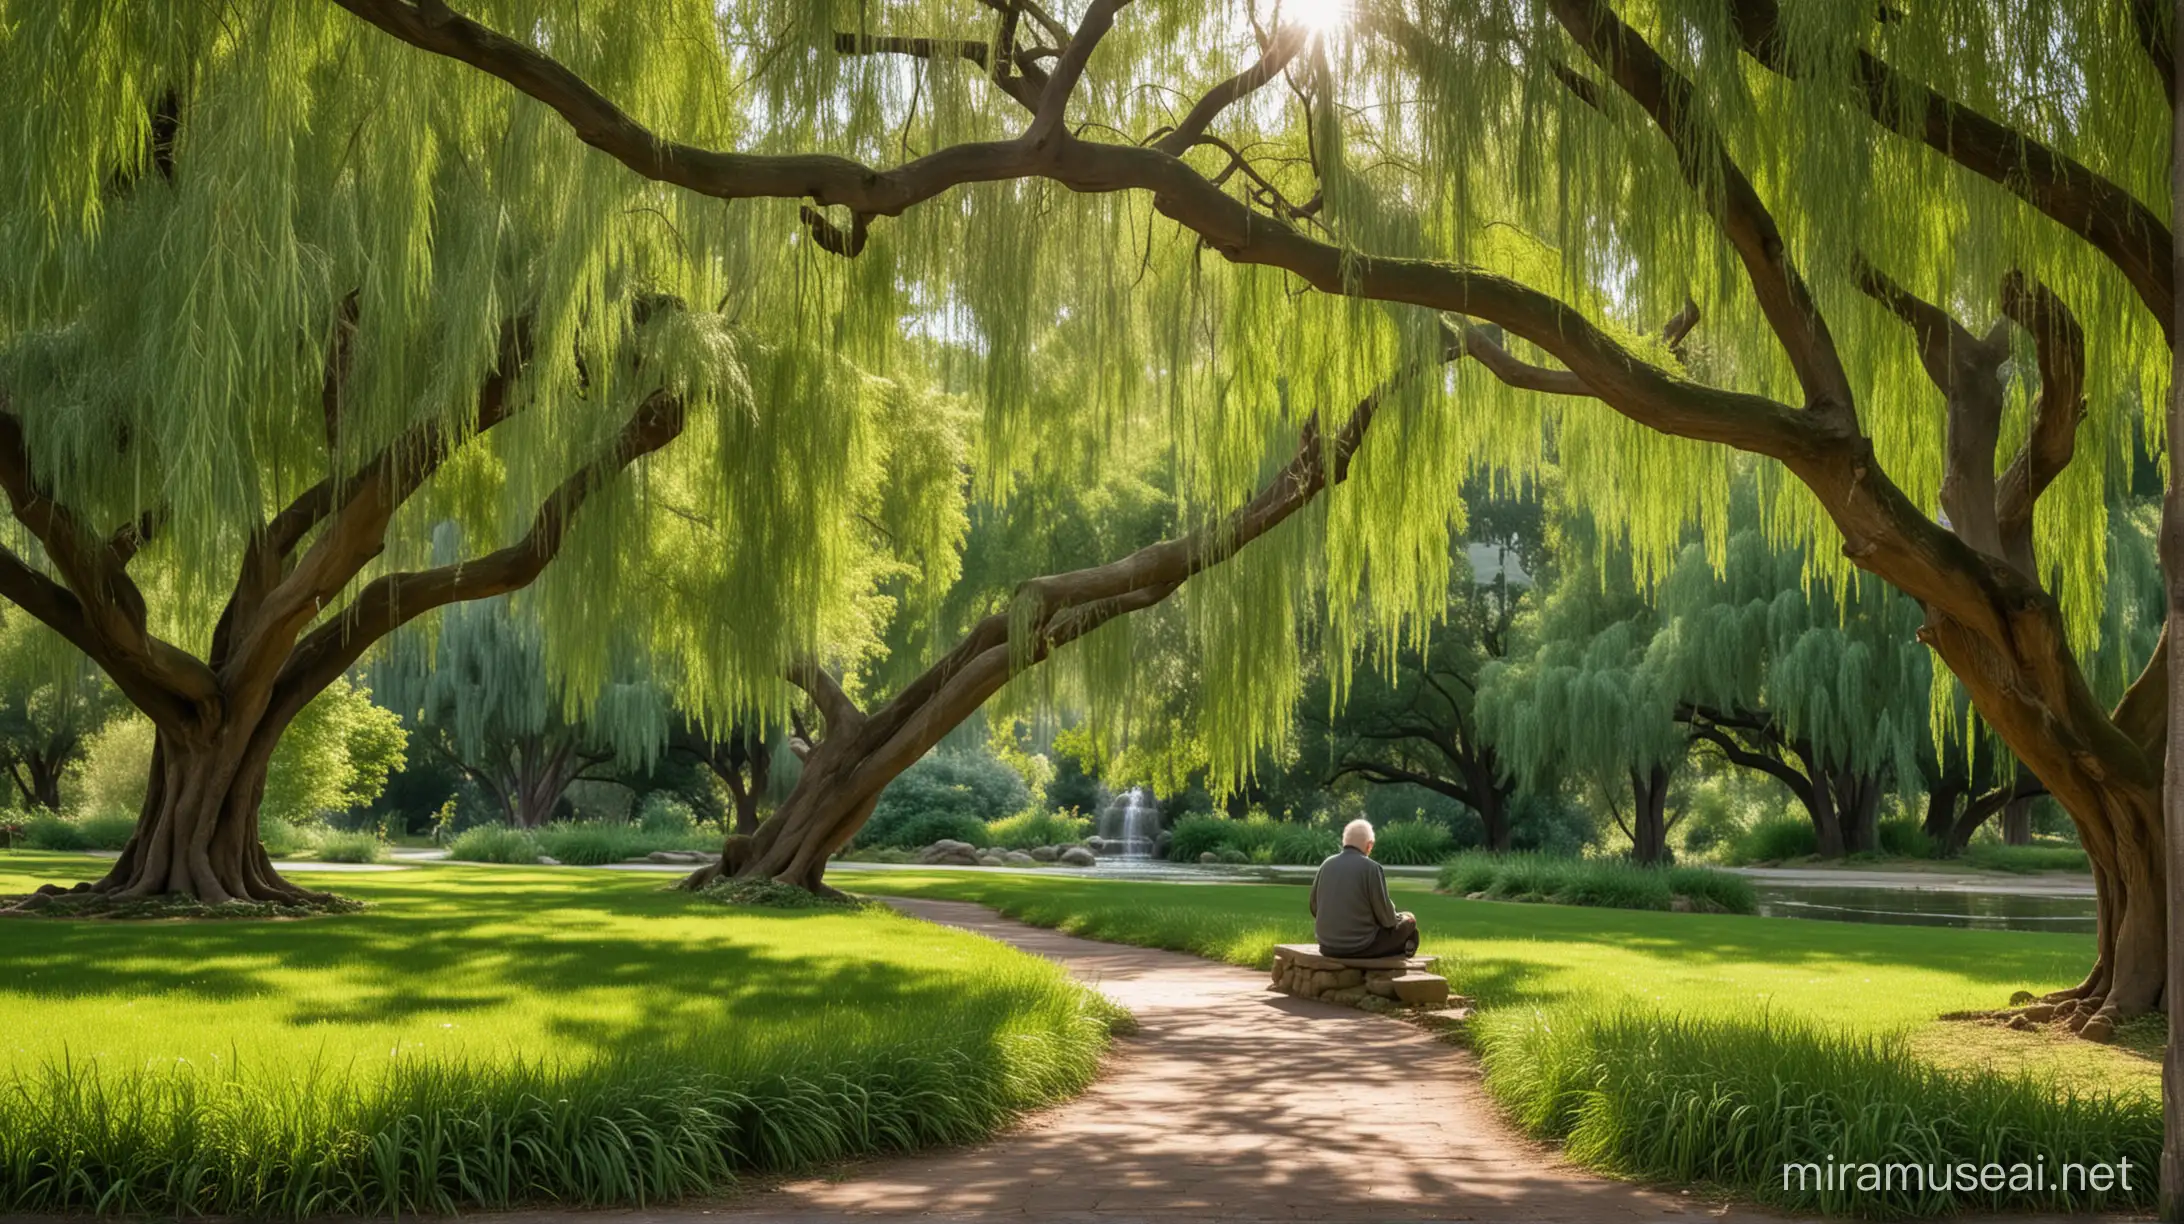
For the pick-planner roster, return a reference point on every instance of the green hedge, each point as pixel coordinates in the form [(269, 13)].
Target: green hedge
[(1613, 883)]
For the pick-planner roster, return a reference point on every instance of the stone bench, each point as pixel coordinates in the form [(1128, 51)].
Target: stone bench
[(1301, 970)]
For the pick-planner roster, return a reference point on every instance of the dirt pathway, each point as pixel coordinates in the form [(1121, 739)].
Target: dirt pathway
[(1236, 1104)]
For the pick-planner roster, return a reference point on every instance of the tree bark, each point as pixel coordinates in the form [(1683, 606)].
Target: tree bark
[(1649, 823), (2017, 822), (197, 833)]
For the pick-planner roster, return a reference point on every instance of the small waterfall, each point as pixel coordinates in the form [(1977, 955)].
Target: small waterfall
[(1130, 822)]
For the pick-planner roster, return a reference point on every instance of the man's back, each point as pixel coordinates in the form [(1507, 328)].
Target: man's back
[(1350, 906)]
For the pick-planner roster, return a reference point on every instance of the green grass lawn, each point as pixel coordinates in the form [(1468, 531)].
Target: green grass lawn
[(1696, 1048), (488, 1036)]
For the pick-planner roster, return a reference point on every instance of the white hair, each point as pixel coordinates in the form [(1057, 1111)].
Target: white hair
[(1358, 833)]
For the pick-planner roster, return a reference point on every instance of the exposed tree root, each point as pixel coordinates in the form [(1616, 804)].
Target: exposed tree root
[(84, 901)]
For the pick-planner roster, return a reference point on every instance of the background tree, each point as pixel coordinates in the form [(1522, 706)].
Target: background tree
[(480, 694), (52, 701), (1582, 708), (1411, 721), (1825, 692), (336, 756)]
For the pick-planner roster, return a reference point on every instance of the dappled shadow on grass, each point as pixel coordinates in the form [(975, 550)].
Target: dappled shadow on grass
[(456, 942)]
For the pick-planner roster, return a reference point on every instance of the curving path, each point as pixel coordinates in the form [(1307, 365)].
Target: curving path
[(1234, 1104)]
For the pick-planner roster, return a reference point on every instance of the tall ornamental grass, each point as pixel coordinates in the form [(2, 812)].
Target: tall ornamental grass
[(1614, 883), (1733, 1101)]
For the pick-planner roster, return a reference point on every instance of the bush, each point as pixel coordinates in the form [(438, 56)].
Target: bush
[(1773, 841), (946, 794), (1903, 838), (1733, 1102), (1304, 845), (1032, 827), (1609, 883), (103, 831), (351, 848), (1197, 834), (1994, 856), (663, 813), (50, 832), (589, 844), (494, 844), (1413, 843), (282, 839)]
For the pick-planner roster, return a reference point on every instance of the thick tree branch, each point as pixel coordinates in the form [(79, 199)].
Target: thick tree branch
[(841, 713), (2059, 344), (1666, 96), (392, 600), (1968, 371), (1046, 122), (2097, 209)]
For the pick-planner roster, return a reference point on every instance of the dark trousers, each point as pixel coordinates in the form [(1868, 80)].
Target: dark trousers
[(1398, 940)]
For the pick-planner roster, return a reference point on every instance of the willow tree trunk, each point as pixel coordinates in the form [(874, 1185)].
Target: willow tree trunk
[(2017, 822), (2172, 557), (1649, 818), (197, 833)]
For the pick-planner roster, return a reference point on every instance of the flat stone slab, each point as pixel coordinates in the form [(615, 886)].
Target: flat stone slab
[(1309, 956)]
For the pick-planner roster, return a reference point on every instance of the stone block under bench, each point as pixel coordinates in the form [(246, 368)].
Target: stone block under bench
[(1300, 970)]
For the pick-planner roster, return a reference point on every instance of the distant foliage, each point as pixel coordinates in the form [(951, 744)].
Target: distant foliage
[(282, 839), (590, 843), (494, 844), (1033, 827), (116, 766), (949, 793)]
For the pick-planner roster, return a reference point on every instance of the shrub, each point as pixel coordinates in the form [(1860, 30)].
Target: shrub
[(589, 844), (1033, 827), (1995, 856), (1197, 834), (1777, 839), (1609, 883), (1303, 845), (494, 844), (50, 832), (946, 794), (351, 848), (663, 813), (1903, 838), (282, 839), (1413, 843), (102, 831)]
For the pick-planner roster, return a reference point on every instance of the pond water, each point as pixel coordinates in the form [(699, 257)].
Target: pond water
[(1929, 907), (1951, 903)]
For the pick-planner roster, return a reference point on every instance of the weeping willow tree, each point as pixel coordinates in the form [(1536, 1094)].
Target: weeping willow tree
[(479, 693), (1827, 694), (1585, 707), (1921, 249)]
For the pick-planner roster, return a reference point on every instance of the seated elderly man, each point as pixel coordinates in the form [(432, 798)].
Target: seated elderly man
[(1350, 908)]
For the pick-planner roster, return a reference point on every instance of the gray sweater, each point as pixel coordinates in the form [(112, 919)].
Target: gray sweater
[(1350, 906)]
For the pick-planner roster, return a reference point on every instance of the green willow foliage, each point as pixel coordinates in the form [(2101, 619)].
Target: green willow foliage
[(315, 157)]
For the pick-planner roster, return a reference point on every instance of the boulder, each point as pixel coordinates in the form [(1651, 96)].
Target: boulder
[(1097, 845), (1017, 858), (548, 860), (1209, 857), (1045, 854), (948, 852), (992, 860), (1078, 856)]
